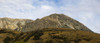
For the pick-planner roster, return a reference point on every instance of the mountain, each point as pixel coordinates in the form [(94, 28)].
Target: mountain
[(9, 23), (55, 21), (55, 28)]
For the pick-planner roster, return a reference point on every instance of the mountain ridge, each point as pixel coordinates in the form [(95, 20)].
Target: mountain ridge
[(56, 21), (53, 20), (55, 28)]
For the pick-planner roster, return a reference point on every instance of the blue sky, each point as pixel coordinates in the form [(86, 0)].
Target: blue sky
[(85, 11)]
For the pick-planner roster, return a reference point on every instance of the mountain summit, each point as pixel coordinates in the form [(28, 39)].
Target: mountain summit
[(55, 21)]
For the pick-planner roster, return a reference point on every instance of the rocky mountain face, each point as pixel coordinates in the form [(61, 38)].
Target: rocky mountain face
[(9, 23), (55, 21)]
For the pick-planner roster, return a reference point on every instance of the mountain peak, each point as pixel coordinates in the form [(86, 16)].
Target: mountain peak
[(51, 21), (55, 21), (57, 15)]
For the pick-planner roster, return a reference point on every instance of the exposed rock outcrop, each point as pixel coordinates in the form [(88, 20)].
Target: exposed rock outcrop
[(9, 23)]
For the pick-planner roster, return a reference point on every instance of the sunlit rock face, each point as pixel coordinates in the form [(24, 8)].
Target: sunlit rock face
[(55, 21), (9, 23)]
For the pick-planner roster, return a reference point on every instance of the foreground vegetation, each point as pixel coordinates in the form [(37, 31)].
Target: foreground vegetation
[(49, 35)]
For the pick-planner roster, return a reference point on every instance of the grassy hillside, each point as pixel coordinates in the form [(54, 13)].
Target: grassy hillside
[(49, 35)]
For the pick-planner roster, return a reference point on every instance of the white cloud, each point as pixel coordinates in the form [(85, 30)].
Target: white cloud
[(46, 7), (15, 8), (25, 9)]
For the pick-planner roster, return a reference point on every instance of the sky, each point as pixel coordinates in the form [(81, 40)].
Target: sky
[(85, 11)]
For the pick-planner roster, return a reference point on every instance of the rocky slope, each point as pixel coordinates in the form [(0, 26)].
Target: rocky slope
[(55, 21), (9, 23)]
